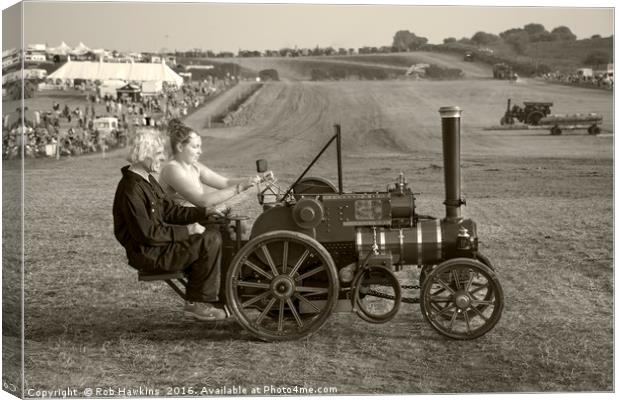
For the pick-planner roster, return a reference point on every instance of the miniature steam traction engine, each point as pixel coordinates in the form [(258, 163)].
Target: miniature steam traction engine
[(316, 248), (537, 114), (532, 112)]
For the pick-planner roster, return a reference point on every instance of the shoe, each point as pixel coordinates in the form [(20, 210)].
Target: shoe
[(203, 311)]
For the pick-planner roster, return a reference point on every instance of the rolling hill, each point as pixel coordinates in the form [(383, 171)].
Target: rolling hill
[(393, 65), (564, 56)]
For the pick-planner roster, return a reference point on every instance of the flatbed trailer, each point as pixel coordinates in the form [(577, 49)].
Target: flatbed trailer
[(558, 122)]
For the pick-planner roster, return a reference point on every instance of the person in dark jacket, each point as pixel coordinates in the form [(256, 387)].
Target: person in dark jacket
[(160, 236)]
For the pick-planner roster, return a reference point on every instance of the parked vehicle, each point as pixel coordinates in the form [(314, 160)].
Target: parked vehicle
[(106, 125), (503, 71)]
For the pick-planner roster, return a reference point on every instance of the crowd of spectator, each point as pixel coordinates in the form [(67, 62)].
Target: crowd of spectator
[(603, 81), (179, 103), (70, 131), (61, 131)]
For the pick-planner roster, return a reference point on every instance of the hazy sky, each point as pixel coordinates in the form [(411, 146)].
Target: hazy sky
[(229, 27)]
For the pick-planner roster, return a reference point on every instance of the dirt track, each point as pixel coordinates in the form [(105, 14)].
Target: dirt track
[(543, 205), (402, 117)]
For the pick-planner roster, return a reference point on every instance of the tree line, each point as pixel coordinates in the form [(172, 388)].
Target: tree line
[(288, 52), (517, 37), (404, 40)]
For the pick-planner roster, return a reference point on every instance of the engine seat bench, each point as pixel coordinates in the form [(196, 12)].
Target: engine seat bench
[(176, 280)]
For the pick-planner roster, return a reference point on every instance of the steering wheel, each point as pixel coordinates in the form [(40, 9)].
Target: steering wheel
[(271, 188)]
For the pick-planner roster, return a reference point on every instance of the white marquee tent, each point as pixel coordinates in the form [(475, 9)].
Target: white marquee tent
[(139, 72)]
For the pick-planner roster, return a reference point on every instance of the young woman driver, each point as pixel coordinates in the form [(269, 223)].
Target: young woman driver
[(184, 176)]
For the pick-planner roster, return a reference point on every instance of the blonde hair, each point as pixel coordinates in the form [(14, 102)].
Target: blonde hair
[(145, 144)]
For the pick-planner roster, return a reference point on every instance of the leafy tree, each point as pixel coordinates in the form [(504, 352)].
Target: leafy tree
[(269, 75), (407, 41), (537, 33), (563, 33), (534, 29), (449, 40), (506, 34), (597, 36), (542, 69), (401, 40), (337, 74), (318, 75), (436, 72), (284, 51), (484, 38), (15, 89), (597, 57), (542, 37), (418, 42), (518, 40)]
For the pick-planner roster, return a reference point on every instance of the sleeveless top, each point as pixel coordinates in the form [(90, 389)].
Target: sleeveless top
[(176, 196)]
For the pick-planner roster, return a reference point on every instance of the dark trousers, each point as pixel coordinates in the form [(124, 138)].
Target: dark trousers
[(200, 256)]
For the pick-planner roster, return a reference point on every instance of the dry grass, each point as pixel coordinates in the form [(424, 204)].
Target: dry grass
[(543, 205)]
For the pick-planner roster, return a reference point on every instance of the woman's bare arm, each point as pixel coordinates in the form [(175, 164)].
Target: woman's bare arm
[(217, 181), (192, 190)]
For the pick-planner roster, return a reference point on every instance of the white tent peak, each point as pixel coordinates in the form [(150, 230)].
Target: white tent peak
[(63, 48), (80, 49), (81, 46)]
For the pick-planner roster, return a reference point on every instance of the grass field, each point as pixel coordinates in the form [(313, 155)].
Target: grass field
[(543, 204)]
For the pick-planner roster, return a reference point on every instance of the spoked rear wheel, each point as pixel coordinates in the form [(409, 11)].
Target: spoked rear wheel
[(282, 285), (462, 298)]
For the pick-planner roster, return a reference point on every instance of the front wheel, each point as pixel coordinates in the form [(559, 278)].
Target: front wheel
[(462, 298), (594, 130), (282, 285), (534, 118), (555, 131)]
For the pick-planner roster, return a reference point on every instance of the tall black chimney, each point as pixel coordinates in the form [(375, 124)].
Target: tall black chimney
[(451, 135)]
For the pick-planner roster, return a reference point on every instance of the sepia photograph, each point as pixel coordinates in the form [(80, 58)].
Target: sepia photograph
[(209, 199)]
